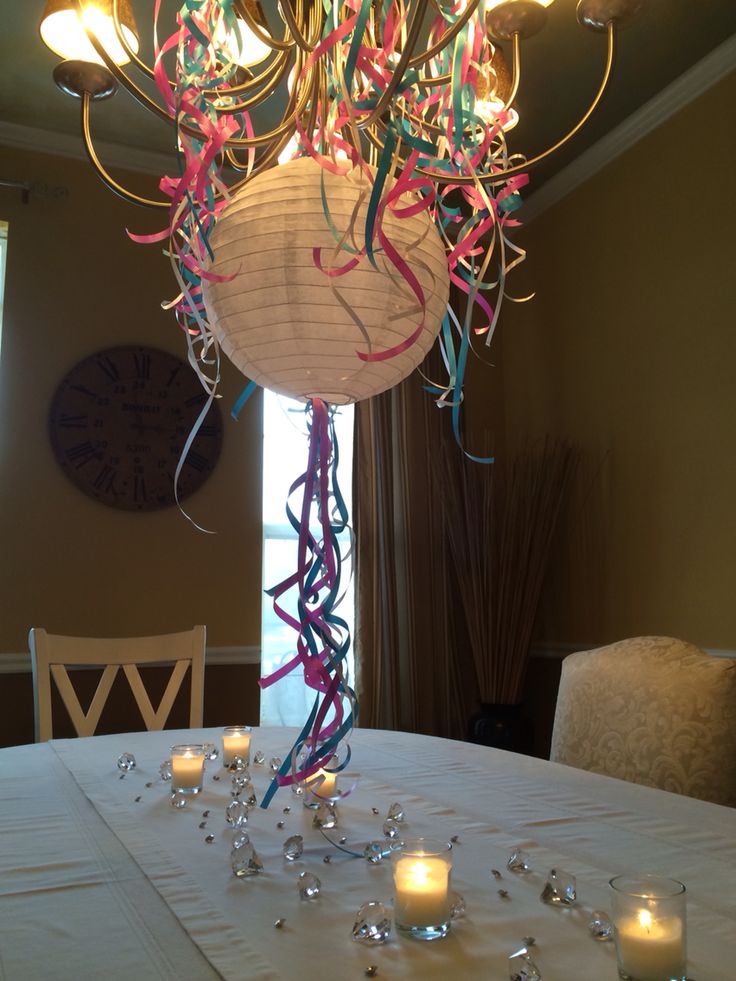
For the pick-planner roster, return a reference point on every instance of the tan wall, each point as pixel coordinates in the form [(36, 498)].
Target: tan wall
[(76, 284), (629, 349)]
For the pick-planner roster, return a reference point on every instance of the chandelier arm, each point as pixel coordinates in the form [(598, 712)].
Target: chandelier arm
[(263, 36), (277, 69), (290, 20), (501, 176), (411, 40), (515, 70), (448, 36), (109, 181)]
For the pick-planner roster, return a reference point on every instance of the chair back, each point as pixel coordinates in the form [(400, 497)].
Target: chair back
[(651, 710), (52, 654)]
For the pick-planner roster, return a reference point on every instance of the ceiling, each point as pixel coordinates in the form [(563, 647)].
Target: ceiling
[(561, 67)]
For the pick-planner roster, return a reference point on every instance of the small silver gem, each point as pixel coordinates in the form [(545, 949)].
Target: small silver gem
[(126, 762), (279, 923), (503, 893), (343, 840), (121, 777), (455, 839), (275, 763), (150, 783), (215, 776), (209, 839), (529, 941), (178, 800), (138, 800), (297, 789), (375, 810), (496, 874), (259, 759), (309, 885), (280, 824), (371, 971), (287, 810), (202, 824), (327, 859), (205, 814)]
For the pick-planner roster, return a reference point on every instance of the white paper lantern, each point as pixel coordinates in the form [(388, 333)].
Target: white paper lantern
[(290, 327)]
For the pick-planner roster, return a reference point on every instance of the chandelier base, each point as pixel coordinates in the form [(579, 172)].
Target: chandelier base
[(78, 78), (515, 17), (598, 14)]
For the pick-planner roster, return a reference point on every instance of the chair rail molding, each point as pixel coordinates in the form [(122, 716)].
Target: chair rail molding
[(19, 663)]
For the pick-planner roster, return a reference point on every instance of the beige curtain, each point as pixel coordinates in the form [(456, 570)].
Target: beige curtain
[(411, 671)]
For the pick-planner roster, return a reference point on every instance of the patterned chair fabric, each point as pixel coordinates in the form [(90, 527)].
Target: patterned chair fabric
[(651, 710)]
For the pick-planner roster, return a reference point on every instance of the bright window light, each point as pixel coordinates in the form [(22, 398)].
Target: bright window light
[(289, 701), (3, 253)]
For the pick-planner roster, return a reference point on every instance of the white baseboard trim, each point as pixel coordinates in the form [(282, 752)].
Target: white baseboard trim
[(554, 651), (215, 656)]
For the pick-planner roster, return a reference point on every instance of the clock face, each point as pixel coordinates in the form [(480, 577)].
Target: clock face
[(118, 424)]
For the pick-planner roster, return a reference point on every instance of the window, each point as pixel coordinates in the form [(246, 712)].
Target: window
[(284, 459)]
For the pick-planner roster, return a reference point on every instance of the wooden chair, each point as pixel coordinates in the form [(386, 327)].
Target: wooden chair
[(51, 654), (651, 710)]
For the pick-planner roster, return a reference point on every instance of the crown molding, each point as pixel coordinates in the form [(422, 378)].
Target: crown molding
[(65, 145), (689, 86), (214, 656)]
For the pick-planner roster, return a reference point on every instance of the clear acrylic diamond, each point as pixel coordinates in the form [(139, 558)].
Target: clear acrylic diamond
[(238, 765), (275, 763), (126, 761), (372, 923), (293, 848), (179, 800), (326, 817), (248, 794), (164, 771), (518, 861), (239, 782), (600, 926), (522, 967), (211, 752), (236, 813), (240, 838), (559, 889), (297, 789), (391, 828), (396, 812), (457, 905), (375, 851), (244, 861), (309, 886), (259, 759)]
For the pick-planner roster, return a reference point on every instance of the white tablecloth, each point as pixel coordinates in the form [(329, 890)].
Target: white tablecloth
[(101, 877)]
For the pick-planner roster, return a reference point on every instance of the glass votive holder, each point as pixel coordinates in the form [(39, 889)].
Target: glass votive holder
[(235, 742), (187, 768), (422, 895), (649, 928), (326, 791)]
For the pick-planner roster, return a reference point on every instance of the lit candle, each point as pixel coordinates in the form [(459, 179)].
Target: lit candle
[(651, 949), (422, 884), (235, 742), (187, 767), (649, 925), (328, 787)]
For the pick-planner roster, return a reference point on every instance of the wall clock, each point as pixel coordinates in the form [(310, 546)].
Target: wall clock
[(118, 423)]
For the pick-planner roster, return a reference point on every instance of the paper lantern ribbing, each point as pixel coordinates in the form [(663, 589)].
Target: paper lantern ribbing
[(288, 325)]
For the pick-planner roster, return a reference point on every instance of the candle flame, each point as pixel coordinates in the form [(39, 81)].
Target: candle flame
[(645, 919)]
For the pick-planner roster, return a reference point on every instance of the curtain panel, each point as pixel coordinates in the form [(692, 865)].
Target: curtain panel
[(411, 664)]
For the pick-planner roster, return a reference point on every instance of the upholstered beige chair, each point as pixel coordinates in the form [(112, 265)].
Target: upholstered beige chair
[(51, 654), (651, 710)]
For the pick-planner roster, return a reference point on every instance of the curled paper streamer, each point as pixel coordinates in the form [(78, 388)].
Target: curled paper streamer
[(322, 637)]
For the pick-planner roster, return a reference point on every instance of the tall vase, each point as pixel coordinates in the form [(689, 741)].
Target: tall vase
[(501, 727)]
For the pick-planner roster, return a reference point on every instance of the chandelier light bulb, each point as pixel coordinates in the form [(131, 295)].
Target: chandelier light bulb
[(64, 32), (246, 52)]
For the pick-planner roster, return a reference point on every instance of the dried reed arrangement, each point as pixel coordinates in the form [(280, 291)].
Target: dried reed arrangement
[(500, 521)]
